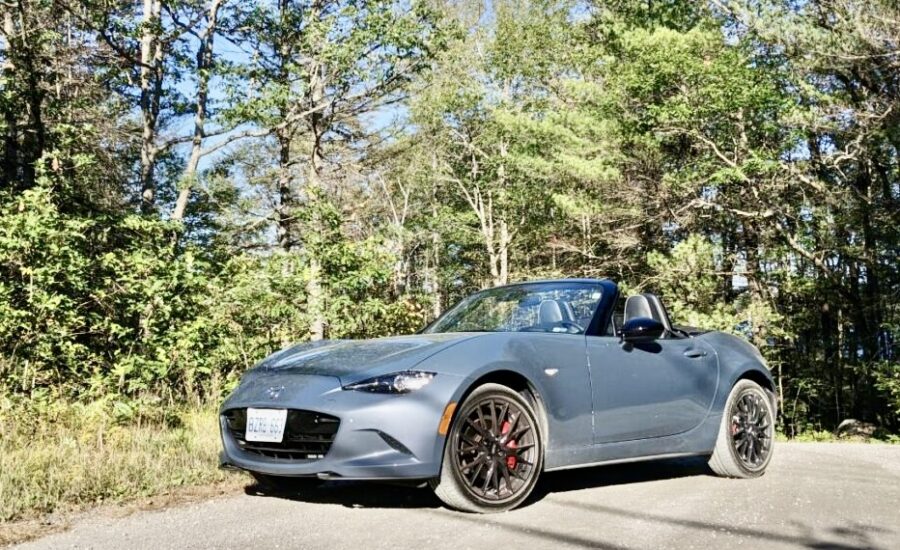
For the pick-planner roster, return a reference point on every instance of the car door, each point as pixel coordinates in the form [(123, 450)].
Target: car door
[(650, 389), (559, 367)]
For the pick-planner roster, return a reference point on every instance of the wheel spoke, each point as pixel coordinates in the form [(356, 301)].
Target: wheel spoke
[(477, 428), (502, 418), (477, 471), (504, 470), (479, 461), (521, 431), (515, 451), (741, 446), (487, 479), (469, 449), (468, 439), (512, 424), (493, 408), (495, 478), (481, 421)]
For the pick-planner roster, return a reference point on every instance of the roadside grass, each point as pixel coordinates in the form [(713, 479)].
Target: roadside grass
[(66, 457), (824, 436), (77, 455)]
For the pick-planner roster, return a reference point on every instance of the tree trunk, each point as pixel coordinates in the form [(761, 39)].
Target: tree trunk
[(433, 274), (11, 137), (204, 64), (504, 252), (151, 90), (284, 212), (23, 66), (314, 293), (314, 300)]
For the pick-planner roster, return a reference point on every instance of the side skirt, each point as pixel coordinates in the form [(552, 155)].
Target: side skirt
[(698, 441), (622, 461)]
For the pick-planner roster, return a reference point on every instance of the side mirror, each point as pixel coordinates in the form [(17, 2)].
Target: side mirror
[(642, 329)]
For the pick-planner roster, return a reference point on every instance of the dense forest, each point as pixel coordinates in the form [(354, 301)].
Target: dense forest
[(189, 185)]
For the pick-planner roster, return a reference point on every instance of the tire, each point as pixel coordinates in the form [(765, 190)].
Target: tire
[(747, 433), (493, 454), (281, 484)]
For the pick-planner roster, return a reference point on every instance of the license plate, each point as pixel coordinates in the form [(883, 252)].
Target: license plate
[(265, 425)]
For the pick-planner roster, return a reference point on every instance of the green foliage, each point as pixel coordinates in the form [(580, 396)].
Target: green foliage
[(815, 436), (111, 306), (887, 380), (41, 260), (741, 160), (687, 280), (690, 279)]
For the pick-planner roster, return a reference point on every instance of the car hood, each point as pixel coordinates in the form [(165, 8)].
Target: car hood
[(352, 360)]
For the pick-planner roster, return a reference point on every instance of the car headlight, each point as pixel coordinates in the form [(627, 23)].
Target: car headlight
[(398, 382)]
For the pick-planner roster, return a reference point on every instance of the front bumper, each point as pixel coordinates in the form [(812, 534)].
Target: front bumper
[(379, 437)]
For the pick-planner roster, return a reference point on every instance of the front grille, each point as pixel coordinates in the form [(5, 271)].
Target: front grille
[(307, 435)]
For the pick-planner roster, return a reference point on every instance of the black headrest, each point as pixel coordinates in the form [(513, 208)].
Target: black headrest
[(550, 312), (638, 306), (659, 310)]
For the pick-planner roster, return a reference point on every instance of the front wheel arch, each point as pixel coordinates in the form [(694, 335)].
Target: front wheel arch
[(453, 487), (518, 383)]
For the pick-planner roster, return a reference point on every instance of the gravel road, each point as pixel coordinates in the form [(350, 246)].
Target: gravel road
[(839, 496)]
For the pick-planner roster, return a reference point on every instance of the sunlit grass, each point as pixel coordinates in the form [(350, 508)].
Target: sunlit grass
[(78, 456)]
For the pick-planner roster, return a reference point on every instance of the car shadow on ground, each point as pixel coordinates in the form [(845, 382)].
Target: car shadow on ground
[(358, 494), (353, 494), (618, 474)]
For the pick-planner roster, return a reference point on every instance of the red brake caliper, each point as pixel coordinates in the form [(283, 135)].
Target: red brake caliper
[(511, 461)]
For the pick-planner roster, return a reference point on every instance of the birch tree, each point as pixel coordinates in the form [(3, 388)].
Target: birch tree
[(317, 68)]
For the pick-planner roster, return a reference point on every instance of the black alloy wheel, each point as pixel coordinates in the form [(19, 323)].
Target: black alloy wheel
[(752, 430), (493, 454), (494, 449)]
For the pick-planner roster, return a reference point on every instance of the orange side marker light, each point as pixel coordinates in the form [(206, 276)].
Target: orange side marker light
[(444, 426)]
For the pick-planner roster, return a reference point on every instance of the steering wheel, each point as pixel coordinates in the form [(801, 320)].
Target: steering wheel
[(570, 325), (571, 328)]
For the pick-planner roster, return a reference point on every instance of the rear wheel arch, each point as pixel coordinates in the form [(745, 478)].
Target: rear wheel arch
[(763, 381)]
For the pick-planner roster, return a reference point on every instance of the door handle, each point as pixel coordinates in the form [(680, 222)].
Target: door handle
[(695, 353)]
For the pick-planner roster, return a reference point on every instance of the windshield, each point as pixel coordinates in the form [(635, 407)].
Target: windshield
[(560, 307)]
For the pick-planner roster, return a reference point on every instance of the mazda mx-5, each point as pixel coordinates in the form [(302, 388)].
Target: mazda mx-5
[(511, 382)]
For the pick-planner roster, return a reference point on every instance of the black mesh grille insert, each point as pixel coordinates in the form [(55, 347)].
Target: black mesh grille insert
[(307, 435)]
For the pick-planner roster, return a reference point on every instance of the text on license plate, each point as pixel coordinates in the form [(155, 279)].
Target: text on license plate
[(265, 425)]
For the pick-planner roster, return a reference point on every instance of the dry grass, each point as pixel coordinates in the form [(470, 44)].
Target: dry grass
[(77, 456)]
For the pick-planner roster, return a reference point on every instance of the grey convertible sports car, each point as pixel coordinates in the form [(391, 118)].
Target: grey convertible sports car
[(511, 382)]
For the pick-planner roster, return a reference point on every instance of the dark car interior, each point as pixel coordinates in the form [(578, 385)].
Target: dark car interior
[(558, 316), (645, 305)]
